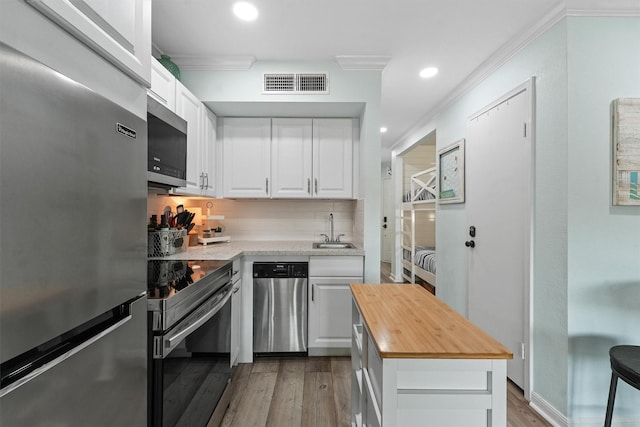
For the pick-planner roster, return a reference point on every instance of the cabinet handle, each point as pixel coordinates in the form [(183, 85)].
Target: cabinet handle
[(207, 184), (202, 180), (313, 294), (316, 182), (266, 186), (309, 186)]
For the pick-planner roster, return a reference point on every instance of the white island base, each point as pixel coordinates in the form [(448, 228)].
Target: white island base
[(424, 376)]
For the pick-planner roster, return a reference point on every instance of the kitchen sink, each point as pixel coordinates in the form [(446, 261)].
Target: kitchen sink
[(333, 245)]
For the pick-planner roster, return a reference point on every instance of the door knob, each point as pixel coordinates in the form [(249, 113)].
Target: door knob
[(470, 244)]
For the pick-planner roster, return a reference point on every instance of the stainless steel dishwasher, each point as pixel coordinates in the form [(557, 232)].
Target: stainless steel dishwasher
[(280, 307)]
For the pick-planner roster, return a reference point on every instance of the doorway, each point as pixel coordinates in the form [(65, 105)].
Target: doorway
[(499, 208), (387, 219)]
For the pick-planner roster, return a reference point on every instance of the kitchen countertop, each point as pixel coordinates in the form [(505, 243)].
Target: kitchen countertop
[(230, 250), (406, 321)]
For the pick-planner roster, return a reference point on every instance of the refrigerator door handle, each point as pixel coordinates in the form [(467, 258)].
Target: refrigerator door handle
[(51, 364)]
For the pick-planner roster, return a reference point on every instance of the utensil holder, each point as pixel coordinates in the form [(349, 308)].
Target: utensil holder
[(167, 242)]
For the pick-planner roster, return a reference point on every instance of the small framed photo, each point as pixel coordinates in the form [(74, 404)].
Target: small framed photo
[(451, 173)]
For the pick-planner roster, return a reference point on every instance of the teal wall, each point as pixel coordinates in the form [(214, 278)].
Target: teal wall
[(544, 59), (603, 240), (586, 252)]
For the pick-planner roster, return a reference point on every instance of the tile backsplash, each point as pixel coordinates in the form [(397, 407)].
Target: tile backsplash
[(254, 219)]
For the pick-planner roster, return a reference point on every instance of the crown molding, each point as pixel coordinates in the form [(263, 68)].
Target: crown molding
[(362, 62), (500, 57), (603, 8), (215, 63)]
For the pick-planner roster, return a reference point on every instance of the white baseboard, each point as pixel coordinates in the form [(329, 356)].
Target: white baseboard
[(598, 421), (547, 411)]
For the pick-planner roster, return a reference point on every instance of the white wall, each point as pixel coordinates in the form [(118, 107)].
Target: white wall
[(27, 30), (349, 87), (603, 240)]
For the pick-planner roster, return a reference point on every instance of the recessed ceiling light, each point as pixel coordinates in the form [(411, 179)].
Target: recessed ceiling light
[(383, 129), (245, 11), (428, 72)]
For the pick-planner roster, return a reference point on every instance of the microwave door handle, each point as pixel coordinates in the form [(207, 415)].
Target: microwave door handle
[(172, 341)]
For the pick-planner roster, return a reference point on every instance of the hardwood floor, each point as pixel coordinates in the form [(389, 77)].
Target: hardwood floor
[(385, 272), (314, 392)]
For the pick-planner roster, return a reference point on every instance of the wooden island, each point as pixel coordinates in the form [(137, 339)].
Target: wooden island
[(417, 362)]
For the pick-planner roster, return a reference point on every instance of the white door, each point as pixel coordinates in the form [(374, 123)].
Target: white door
[(208, 151), (291, 148), (498, 206), (330, 322), (387, 219), (190, 109), (333, 158), (246, 153)]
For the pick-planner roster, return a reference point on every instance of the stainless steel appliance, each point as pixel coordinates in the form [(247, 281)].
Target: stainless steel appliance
[(280, 307), (189, 306), (167, 154), (73, 195)]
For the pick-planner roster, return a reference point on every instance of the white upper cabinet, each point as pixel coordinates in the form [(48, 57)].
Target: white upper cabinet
[(246, 157), (288, 158), (208, 150), (118, 30), (190, 109), (291, 152), (163, 85), (333, 158)]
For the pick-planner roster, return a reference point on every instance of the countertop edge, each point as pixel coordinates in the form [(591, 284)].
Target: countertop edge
[(502, 354)]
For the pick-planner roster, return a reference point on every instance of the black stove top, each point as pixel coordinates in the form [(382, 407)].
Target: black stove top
[(166, 278)]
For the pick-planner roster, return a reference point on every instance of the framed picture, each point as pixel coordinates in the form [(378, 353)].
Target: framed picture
[(451, 173), (626, 152)]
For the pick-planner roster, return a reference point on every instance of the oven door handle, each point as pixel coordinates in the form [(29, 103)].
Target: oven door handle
[(171, 341)]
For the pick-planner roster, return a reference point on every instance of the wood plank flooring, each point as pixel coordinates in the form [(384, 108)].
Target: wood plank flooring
[(316, 391)]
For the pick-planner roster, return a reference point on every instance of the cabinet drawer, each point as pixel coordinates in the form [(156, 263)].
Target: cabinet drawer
[(374, 369), (336, 266), (373, 416)]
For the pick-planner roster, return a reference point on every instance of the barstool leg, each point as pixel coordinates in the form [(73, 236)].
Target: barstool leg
[(612, 398)]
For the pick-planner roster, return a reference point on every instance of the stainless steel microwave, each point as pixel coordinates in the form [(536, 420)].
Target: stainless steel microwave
[(167, 149)]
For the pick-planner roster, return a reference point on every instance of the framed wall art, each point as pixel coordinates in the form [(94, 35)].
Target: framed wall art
[(626, 151), (451, 173)]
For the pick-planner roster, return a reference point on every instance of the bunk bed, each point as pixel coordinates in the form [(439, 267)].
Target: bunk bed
[(418, 260)]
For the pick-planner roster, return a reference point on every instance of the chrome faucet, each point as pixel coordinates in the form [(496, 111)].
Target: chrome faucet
[(330, 238), (331, 227)]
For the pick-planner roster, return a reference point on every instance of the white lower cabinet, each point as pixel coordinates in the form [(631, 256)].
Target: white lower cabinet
[(329, 311), (422, 392), (236, 311)]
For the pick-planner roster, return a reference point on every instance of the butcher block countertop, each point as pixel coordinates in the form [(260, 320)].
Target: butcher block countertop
[(406, 321)]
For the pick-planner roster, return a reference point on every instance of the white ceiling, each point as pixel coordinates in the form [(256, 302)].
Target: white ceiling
[(454, 35)]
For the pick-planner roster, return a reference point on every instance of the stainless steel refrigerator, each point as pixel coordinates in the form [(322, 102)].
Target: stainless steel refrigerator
[(72, 252)]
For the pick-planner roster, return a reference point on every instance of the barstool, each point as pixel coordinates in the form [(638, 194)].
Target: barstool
[(625, 364)]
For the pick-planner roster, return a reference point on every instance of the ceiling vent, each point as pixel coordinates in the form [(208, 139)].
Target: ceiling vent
[(296, 83)]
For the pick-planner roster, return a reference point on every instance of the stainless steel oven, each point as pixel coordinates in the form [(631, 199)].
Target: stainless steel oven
[(189, 314)]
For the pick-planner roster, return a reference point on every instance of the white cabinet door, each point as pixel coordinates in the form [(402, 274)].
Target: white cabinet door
[(118, 30), (291, 151), (330, 322), (236, 312), (246, 157), (333, 158), (208, 160), (163, 85), (190, 109)]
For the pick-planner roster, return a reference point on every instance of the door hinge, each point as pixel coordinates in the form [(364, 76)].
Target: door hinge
[(522, 350)]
